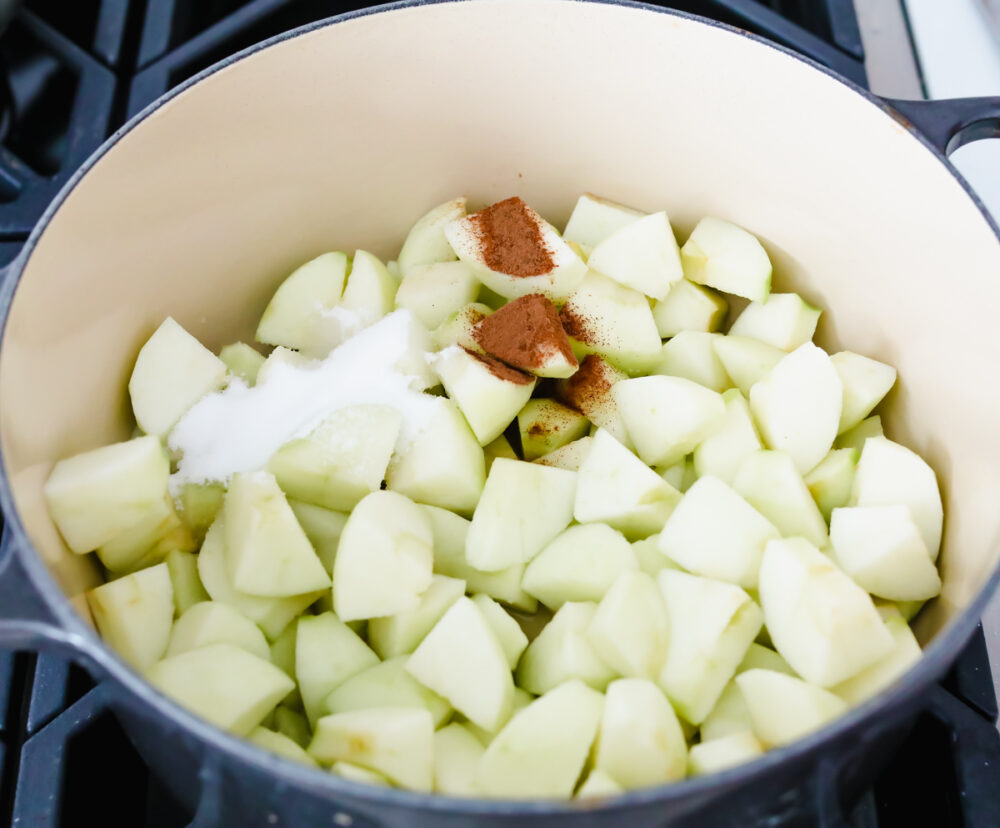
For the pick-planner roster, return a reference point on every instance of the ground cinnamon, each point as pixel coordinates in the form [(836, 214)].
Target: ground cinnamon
[(525, 333), (510, 239), (590, 387), (500, 369)]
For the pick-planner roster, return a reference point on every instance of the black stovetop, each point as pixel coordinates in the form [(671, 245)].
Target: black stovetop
[(73, 72)]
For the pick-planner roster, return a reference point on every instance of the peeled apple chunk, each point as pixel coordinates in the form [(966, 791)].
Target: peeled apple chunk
[(387, 685), (97, 495), (426, 243), (267, 553), (726, 752), (667, 417), (691, 354), (866, 381), (356, 773), (723, 451), (727, 257), (823, 624), (456, 756), (746, 360), (783, 320), (395, 742), (134, 614), (458, 328), (546, 425), (630, 630), (524, 506), (872, 680), (147, 541), (172, 372), (784, 708), (188, 589), (880, 547), (570, 456), (542, 750), (689, 307), (342, 460), (384, 560), (641, 255), (242, 360), (563, 651), (223, 683), (797, 406), (598, 785), (507, 631), (890, 474), (211, 623), (394, 635), (323, 528), (855, 438), (589, 390), (435, 291), (295, 310), (640, 743), (715, 533), (462, 661), (831, 480), (594, 219), (370, 291), (579, 565), (280, 745), (486, 391), (711, 626), (730, 713)]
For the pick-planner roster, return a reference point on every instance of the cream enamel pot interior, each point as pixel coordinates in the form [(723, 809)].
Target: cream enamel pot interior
[(339, 136)]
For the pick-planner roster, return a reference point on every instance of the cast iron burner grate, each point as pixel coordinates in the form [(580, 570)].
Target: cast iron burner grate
[(70, 74)]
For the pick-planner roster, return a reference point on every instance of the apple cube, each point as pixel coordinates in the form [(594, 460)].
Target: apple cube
[(783, 320), (563, 651), (689, 307), (569, 456), (649, 557), (387, 685), (394, 635), (508, 632), (594, 219), (823, 624), (434, 292), (426, 243), (797, 406), (872, 680), (769, 481), (134, 614), (714, 755), (295, 310), (282, 655), (524, 506), (371, 290), (784, 708), (589, 391), (280, 745), (242, 360), (856, 437), (642, 255), (598, 785), (746, 360), (831, 480), (722, 452), (199, 504), (630, 628), (546, 425), (278, 357), (727, 257), (188, 591), (356, 773), (323, 528), (458, 328), (292, 724), (456, 757), (500, 447), (691, 354), (147, 541), (542, 750), (212, 622), (865, 381), (522, 698)]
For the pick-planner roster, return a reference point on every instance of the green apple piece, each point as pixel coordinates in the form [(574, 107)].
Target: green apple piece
[(745, 359), (395, 635), (508, 632), (292, 724), (865, 381), (134, 614), (323, 528), (282, 654), (327, 653), (629, 630), (908, 609), (456, 756), (147, 541), (569, 456), (242, 360), (450, 533), (889, 474), (524, 506), (457, 329), (542, 750), (563, 651), (616, 487), (823, 624), (872, 680), (717, 754), (426, 242), (881, 548), (281, 356), (855, 437), (387, 685), (295, 311), (640, 743), (280, 745), (486, 391), (223, 683), (267, 553), (490, 298), (385, 558), (594, 219), (598, 785), (691, 354), (764, 658), (689, 307), (97, 495), (649, 557), (784, 708), (641, 255), (464, 236), (198, 505), (698, 540), (831, 480), (272, 615), (580, 564), (667, 417), (434, 292), (211, 622), (356, 773), (395, 742), (797, 406), (711, 626), (522, 698), (589, 391), (606, 318), (727, 257), (546, 425), (462, 660), (371, 290), (769, 481), (784, 320), (443, 465), (183, 569), (722, 452)]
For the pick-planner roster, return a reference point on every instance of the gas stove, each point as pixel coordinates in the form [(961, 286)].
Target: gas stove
[(70, 75)]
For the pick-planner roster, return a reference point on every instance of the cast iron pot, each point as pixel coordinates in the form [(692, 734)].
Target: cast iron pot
[(339, 135)]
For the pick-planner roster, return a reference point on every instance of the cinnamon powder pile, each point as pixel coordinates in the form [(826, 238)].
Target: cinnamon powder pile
[(511, 239), (501, 370), (525, 333)]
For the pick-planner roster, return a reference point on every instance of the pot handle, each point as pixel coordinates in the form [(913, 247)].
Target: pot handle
[(951, 123)]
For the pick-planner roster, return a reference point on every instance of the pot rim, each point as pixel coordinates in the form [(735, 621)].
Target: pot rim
[(935, 660)]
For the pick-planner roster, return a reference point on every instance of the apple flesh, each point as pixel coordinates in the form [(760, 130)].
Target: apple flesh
[(872, 680), (569, 456), (856, 437), (598, 785), (689, 307), (434, 292), (589, 391), (784, 708), (594, 219), (714, 755), (280, 745), (746, 360), (148, 541), (691, 354), (426, 243), (630, 628), (508, 632), (783, 320), (641, 255), (395, 635), (722, 452), (242, 360), (546, 425), (188, 589), (865, 381), (387, 684), (769, 481), (563, 651), (458, 328), (723, 255), (831, 480), (212, 622), (456, 757)]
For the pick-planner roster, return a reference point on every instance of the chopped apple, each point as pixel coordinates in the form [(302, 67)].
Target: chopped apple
[(865, 381), (823, 624), (714, 755), (434, 292), (292, 724), (462, 660), (282, 655), (394, 635), (629, 630), (598, 785), (242, 360), (508, 632), (745, 359), (426, 242), (783, 320), (579, 565), (769, 481), (641, 255), (589, 391), (889, 474), (855, 437), (280, 745), (278, 357), (500, 447), (831, 480), (384, 560), (689, 307), (524, 506), (727, 257), (722, 452), (542, 750), (387, 685), (649, 557), (784, 708), (295, 310), (563, 651), (134, 614), (356, 773), (458, 328), (616, 487), (212, 622), (370, 291), (691, 354), (797, 406), (546, 425), (872, 680), (148, 541), (569, 456), (456, 757), (323, 528), (198, 505), (594, 219), (188, 591)]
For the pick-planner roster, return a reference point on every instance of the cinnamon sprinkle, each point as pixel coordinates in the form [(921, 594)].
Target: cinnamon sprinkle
[(511, 239), (501, 370), (525, 333)]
